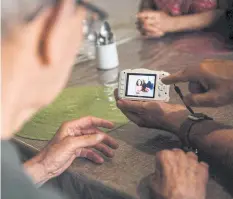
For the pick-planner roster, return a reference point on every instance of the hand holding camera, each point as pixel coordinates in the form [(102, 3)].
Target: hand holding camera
[(143, 84)]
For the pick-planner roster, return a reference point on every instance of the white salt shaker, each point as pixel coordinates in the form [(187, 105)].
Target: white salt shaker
[(107, 56), (106, 48)]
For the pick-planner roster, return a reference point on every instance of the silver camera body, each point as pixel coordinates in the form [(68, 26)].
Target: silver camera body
[(143, 84)]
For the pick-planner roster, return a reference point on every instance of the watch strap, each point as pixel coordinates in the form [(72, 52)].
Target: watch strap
[(188, 124)]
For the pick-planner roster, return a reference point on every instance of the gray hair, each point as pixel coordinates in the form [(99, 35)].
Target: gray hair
[(16, 12)]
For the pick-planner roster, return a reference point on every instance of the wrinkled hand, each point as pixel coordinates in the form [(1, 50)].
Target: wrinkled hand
[(155, 23), (179, 176), (210, 84), (71, 141), (153, 114)]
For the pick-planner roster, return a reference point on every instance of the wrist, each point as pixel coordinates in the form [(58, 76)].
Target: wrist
[(36, 170), (201, 130), (183, 23), (178, 120), (196, 21), (172, 24)]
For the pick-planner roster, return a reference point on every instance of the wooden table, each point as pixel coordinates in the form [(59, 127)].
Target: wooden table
[(125, 175)]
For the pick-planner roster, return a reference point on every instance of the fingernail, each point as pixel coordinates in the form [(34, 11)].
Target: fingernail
[(100, 137), (101, 161)]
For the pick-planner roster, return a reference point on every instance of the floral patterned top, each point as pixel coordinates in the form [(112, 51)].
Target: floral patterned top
[(179, 7)]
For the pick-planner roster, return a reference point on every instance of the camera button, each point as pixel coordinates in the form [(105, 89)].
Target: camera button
[(160, 88)]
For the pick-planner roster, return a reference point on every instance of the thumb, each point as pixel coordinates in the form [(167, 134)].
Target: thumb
[(84, 141), (116, 94), (208, 99)]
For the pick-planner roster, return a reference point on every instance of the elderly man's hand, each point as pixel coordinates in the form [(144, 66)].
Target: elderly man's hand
[(210, 84), (71, 141), (179, 176), (153, 114)]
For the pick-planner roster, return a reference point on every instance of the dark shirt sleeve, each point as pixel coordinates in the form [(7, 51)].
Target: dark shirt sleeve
[(15, 182), (229, 18), (224, 25)]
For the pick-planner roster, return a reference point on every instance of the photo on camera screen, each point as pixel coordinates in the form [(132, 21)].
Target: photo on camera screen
[(140, 85)]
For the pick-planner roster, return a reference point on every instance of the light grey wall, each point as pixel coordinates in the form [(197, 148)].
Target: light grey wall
[(122, 12)]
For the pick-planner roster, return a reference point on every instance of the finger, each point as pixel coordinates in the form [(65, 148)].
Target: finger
[(150, 21), (87, 122), (72, 131), (192, 156), (111, 142), (146, 14), (74, 143), (107, 139), (116, 94), (208, 99), (135, 118), (90, 155), (93, 131), (131, 106), (165, 161), (197, 87), (181, 76), (180, 159), (88, 132), (205, 165), (178, 152), (151, 29), (105, 150), (130, 115), (154, 34)]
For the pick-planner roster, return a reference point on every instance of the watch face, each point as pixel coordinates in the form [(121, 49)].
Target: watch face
[(199, 116), (193, 117)]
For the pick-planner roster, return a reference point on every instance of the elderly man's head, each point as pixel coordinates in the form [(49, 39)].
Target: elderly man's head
[(40, 39)]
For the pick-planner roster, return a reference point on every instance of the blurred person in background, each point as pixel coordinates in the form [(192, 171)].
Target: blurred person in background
[(158, 17)]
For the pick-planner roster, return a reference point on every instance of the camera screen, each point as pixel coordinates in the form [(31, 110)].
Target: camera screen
[(140, 85)]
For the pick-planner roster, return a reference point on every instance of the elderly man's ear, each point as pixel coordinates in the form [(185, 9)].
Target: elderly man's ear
[(52, 30)]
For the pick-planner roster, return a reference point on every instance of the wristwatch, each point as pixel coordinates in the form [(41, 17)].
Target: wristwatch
[(187, 126)]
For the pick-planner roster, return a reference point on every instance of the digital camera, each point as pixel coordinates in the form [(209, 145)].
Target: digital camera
[(143, 84)]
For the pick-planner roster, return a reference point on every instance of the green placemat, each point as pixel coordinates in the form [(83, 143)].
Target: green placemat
[(73, 103)]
